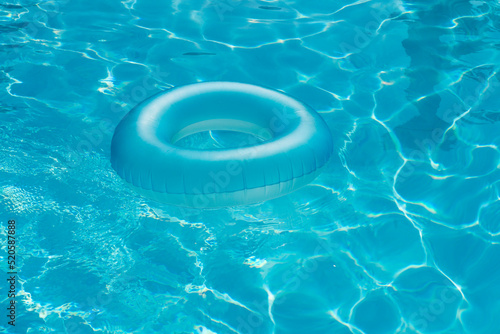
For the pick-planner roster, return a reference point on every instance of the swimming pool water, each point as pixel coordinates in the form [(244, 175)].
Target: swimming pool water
[(400, 234)]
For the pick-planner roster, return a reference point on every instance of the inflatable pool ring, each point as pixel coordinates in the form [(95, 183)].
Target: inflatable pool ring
[(296, 144)]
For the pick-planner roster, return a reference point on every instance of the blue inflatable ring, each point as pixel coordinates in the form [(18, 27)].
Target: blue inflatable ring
[(296, 144)]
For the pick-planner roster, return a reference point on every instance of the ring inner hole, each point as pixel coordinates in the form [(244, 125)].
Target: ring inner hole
[(221, 134)]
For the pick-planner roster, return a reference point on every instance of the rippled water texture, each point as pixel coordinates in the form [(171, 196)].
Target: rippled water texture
[(399, 235)]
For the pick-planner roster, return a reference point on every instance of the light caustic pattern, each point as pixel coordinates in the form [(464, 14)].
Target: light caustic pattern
[(399, 235)]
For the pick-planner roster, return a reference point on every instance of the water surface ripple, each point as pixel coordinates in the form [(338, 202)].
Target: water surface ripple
[(400, 234)]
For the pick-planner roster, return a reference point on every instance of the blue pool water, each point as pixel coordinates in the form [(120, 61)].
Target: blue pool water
[(400, 234)]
